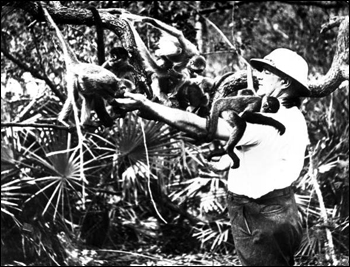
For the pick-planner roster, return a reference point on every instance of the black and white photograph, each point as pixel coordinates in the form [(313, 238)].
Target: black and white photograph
[(174, 133)]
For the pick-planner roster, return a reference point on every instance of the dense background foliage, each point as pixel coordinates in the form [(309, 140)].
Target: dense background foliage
[(147, 190)]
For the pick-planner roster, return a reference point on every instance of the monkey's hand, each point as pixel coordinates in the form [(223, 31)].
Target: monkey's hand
[(174, 74), (280, 128)]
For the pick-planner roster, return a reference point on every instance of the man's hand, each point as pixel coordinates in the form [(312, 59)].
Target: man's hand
[(131, 101)]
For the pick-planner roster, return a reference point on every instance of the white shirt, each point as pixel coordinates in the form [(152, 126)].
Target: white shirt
[(275, 161)]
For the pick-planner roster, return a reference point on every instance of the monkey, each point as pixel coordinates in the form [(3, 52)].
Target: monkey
[(163, 66), (194, 95), (191, 97), (173, 44), (177, 49), (119, 52), (163, 78), (119, 63), (99, 31), (196, 65), (178, 60), (248, 105), (94, 84)]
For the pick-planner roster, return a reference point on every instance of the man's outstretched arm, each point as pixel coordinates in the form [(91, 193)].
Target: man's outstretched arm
[(179, 119)]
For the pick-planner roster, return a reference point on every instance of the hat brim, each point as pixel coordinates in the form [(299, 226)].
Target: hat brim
[(260, 64)]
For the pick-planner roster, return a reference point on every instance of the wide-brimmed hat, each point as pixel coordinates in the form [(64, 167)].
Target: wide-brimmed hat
[(286, 62)]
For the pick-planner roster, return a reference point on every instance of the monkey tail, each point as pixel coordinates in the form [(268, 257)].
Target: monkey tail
[(70, 57), (70, 101), (99, 31), (218, 83), (216, 90)]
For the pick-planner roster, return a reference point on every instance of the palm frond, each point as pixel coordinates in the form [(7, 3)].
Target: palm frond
[(60, 177), (11, 182), (130, 157)]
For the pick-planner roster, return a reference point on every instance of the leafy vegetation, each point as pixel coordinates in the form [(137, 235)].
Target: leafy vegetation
[(147, 191)]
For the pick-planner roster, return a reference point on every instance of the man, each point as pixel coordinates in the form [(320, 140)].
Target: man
[(265, 222)]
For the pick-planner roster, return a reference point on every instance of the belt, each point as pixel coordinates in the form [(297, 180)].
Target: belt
[(272, 194)]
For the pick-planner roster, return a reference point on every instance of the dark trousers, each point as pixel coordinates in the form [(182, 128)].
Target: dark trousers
[(267, 231)]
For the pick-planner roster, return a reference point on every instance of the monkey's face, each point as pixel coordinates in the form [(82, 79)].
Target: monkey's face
[(197, 64), (165, 63), (124, 85), (270, 105), (119, 53), (265, 108)]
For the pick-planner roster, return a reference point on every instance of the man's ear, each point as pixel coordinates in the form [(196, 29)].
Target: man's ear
[(285, 82)]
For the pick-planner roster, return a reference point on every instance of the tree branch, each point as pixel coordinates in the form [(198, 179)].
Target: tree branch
[(339, 70), (322, 4)]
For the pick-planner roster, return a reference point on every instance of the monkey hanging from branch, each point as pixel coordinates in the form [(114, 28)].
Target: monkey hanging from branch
[(164, 78), (93, 83), (173, 45), (119, 62), (248, 106), (178, 61)]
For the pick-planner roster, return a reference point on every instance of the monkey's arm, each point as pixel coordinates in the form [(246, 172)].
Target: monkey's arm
[(190, 49), (156, 23), (148, 60), (185, 44)]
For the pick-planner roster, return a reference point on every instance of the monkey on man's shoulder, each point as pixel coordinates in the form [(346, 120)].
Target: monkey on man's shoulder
[(233, 106)]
